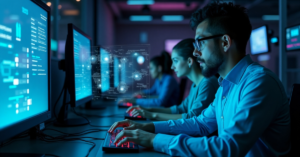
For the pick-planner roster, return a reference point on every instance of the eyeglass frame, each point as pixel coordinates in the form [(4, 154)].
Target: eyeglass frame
[(197, 41)]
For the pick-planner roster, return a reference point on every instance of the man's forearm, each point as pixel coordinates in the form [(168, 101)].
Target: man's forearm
[(160, 110), (148, 127), (165, 117)]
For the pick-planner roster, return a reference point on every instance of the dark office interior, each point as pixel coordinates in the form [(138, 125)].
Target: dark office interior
[(86, 63)]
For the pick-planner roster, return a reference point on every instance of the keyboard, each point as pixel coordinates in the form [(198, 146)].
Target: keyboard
[(129, 116), (109, 145), (125, 104)]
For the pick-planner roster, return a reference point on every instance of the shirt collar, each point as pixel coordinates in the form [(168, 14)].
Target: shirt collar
[(237, 71)]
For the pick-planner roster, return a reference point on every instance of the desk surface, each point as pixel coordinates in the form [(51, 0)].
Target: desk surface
[(79, 148)]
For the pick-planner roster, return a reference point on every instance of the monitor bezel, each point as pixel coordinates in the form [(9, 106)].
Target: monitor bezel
[(24, 125), (70, 66), (286, 39), (268, 42)]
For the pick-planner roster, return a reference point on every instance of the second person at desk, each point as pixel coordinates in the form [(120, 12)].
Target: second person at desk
[(202, 91), (165, 90)]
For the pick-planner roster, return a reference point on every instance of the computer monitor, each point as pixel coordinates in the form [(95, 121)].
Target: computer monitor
[(78, 68), (259, 42), (24, 66), (293, 38)]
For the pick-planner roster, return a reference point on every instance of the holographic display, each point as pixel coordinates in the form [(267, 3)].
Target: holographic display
[(23, 61), (123, 70)]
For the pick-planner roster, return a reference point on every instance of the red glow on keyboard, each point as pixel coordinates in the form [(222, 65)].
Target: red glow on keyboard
[(139, 116), (129, 104), (113, 137)]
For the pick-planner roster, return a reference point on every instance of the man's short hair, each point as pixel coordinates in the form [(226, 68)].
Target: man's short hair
[(225, 18)]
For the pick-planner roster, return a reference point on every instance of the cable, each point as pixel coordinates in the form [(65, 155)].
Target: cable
[(87, 119), (47, 138), (54, 108)]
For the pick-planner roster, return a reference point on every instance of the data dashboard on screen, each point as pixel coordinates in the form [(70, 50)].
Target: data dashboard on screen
[(293, 38), (83, 66), (23, 61), (259, 40)]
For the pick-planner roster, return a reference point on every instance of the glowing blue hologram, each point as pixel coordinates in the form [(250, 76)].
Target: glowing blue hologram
[(88, 67), (137, 76), (140, 60), (93, 59), (122, 88), (124, 60)]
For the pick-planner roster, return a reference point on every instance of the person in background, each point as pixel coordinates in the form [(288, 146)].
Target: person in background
[(165, 91), (251, 108), (202, 91)]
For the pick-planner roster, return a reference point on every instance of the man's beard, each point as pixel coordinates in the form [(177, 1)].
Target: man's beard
[(215, 62)]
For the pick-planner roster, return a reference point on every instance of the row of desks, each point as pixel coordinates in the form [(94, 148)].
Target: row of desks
[(79, 148)]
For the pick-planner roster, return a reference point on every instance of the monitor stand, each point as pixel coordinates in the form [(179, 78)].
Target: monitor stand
[(62, 119)]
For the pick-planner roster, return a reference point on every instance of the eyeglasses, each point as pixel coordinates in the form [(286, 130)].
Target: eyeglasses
[(198, 42)]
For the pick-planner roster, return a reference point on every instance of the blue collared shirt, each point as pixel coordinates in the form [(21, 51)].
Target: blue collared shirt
[(199, 98), (166, 89), (250, 111)]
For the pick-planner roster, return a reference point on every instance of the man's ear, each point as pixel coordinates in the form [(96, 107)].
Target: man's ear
[(226, 42)]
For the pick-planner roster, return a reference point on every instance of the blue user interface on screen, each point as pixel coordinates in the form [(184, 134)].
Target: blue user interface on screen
[(116, 72), (105, 75), (259, 40), (82, 65), (23, 61), (293, 38)]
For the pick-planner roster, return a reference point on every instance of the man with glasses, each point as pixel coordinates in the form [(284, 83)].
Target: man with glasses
[(250, 109)]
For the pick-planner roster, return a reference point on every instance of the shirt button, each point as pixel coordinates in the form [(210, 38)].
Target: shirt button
[(224, 97), (222, 117)]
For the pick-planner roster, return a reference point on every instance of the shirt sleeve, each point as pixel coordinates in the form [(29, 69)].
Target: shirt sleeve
[(152, 90), (196, 126), (167, 89), (182, 108), (205, 96), (259, 103)]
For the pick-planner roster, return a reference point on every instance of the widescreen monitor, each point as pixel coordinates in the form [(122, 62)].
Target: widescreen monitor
[(293, 38), (79, 67), (259, 40), (24, 66)]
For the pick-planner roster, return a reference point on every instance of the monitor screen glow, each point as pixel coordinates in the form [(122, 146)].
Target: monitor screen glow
[(23, 61), (293, 38), (105, 73), (259, 41), (83, 66)]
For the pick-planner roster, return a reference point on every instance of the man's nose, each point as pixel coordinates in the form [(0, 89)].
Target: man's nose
[(197, 53)]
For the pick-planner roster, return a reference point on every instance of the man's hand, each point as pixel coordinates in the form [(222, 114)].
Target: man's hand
[(131, 125), (137, 136)]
